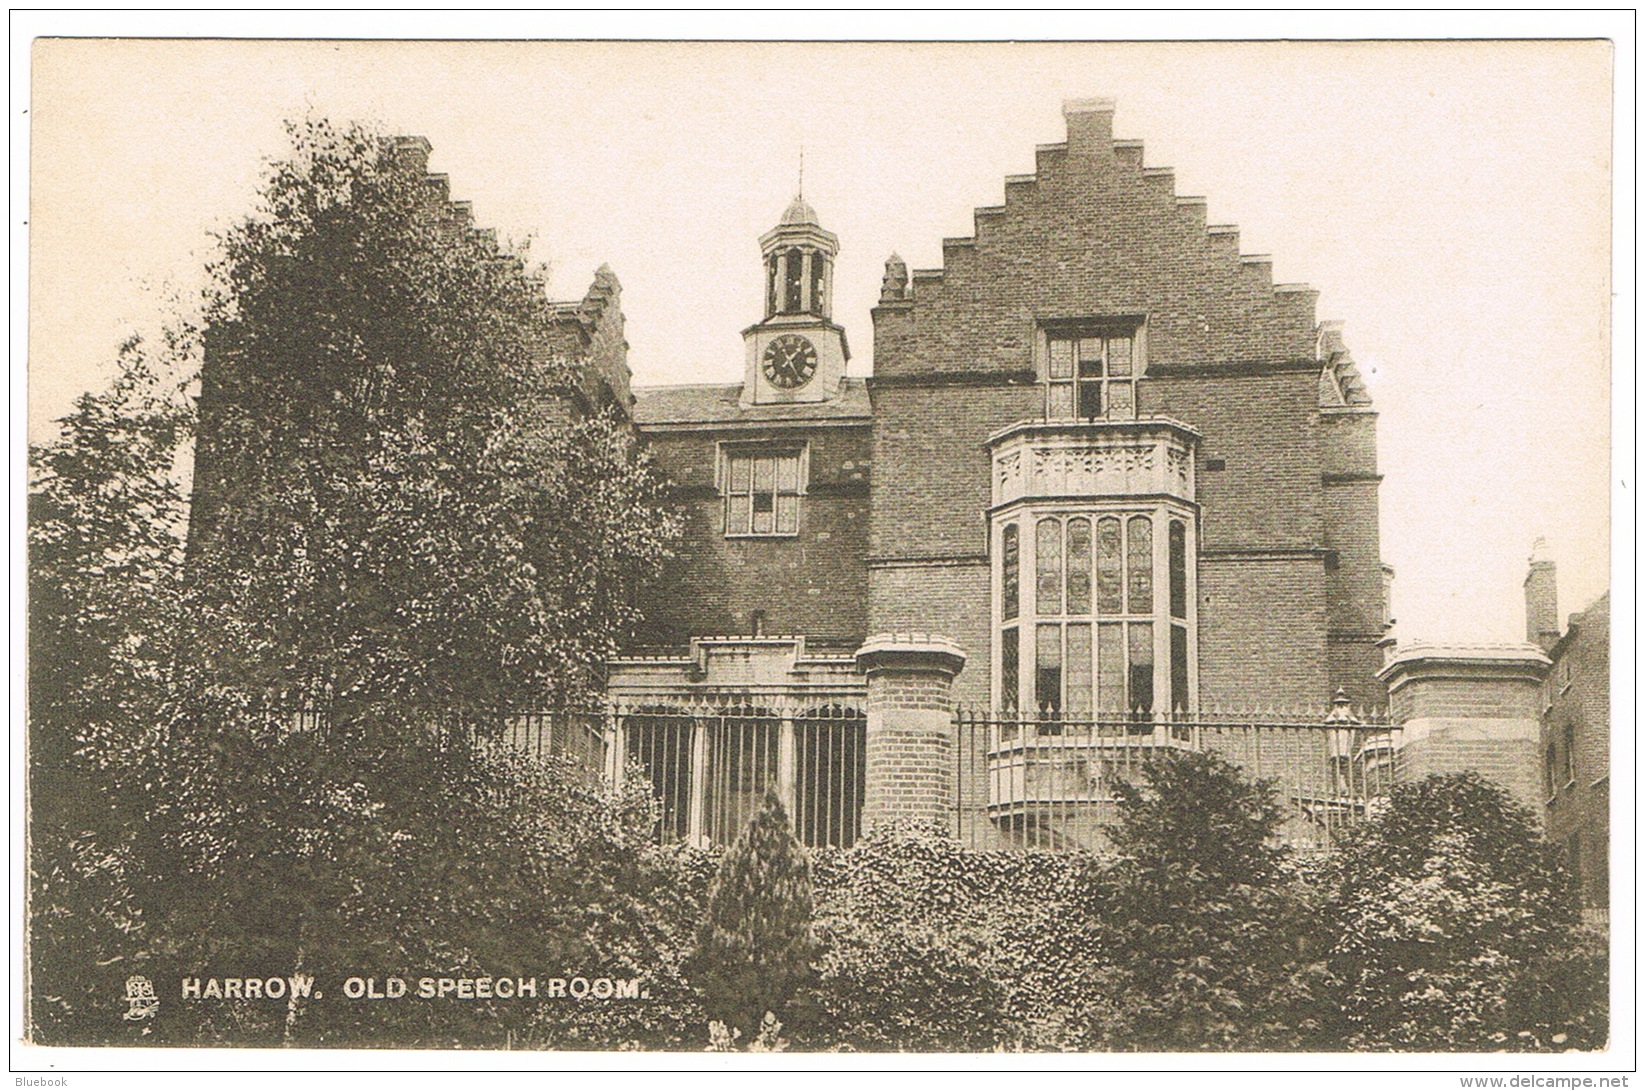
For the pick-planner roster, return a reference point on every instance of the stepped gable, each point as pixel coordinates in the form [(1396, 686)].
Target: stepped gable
[(1093, 233), (409, 154), (589, 329), (1341, 384), (593, 328)]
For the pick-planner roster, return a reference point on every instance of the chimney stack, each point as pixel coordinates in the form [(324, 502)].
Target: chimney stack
[(1541, 598)]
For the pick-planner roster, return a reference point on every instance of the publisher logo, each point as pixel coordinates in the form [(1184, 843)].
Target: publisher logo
[(140, 995)]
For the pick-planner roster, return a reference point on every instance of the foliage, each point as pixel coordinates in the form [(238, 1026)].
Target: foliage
[(397, 519), (1204, 922), (106, 516), (907, 985), (1561, 1000), (755, 945), (1449, 913), (927, 946), (724, 1039), (395, 506), (643, 922)]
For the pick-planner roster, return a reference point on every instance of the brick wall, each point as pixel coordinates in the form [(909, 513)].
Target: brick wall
[(814, 583), (593, 330), (1262, 631), (931, 486), (1478, 698), (1577, 694), (1354, 588), (1470, 708), (1352, 662), (1092, 235), (1506, 755), (952, 600), (910, 768), (1264, 431)]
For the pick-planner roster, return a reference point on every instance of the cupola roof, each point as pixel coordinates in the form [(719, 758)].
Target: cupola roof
[(800, 213)]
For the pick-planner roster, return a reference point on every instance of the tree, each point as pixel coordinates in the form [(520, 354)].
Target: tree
[(106, 519), (105, 536), (755, 944), (1204, 922), (397, 502), (1451, 916), (402, 520)]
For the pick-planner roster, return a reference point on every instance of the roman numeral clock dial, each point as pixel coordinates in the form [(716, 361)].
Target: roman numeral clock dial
[(790, 361)]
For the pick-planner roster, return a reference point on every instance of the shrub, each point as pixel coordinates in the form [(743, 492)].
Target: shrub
[(641, 926), (1450, 914), (908, 985), (928, 945), (755, 946), (1204, 921), (1561, 1000)]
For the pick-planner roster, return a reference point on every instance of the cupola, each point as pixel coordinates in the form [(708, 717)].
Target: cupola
[(799, 263), (796, 353)]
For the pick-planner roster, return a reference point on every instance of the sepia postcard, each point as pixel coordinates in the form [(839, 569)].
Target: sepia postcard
[(801, 554)]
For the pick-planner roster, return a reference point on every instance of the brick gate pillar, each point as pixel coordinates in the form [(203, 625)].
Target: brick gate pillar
[(910, 757)]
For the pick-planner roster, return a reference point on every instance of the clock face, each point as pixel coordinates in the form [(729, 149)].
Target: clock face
[(790, 361)]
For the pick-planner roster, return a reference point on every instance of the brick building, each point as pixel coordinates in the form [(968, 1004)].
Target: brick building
[(1108, 491), (1574, 738), (1104, 469), (1533, 716)]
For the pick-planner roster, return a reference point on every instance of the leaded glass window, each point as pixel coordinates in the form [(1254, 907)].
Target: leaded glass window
[(1092, 375), (1105, 644)]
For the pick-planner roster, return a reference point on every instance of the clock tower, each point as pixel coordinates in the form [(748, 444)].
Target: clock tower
[(796, 353)]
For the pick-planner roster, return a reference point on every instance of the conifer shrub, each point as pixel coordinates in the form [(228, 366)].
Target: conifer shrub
[(755, 945)]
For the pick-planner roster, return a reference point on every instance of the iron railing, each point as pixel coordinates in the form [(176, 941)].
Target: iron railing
[(1022, 781), (579, 734), (1048, 781), (710, 760)]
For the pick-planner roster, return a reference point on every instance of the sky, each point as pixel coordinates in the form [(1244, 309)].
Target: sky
[(1450, 201)]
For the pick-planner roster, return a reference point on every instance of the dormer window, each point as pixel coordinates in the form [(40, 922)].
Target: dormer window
[(1090, 371)]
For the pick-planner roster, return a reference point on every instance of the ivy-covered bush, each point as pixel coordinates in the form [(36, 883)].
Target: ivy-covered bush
[(927, 945)]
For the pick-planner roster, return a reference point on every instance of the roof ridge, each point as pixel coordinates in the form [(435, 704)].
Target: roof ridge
[(688, 386)]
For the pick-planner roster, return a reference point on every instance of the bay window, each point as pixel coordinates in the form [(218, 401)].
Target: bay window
[(1104, 628), (1094, 539)]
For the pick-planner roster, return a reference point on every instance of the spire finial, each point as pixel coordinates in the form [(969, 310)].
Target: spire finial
[(800, 191)]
